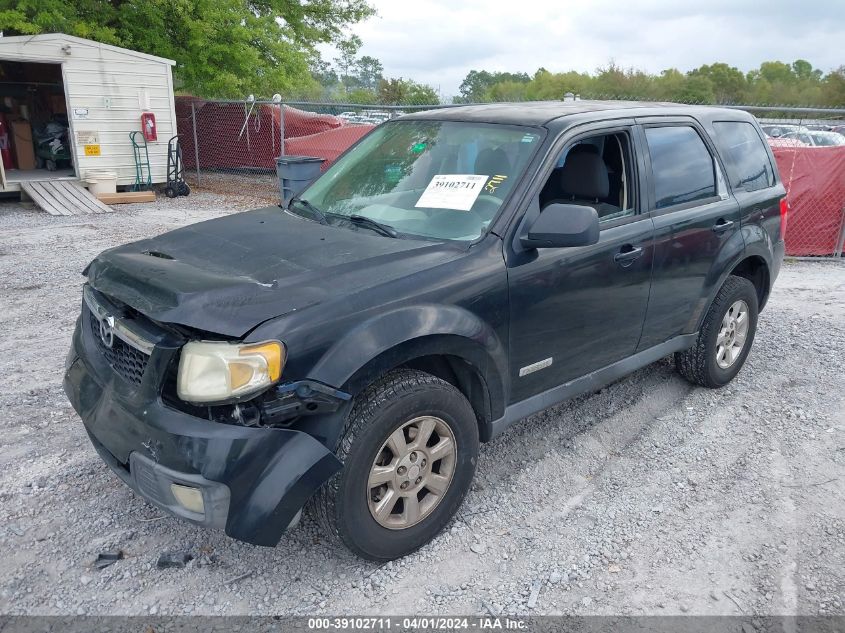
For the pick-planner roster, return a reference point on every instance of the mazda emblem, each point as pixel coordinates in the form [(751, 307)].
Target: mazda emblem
[(107, 331)]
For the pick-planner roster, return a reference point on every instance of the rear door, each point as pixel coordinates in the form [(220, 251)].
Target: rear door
[(694, 218), (750, 172)]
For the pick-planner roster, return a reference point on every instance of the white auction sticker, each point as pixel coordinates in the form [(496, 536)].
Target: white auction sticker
[(452, 191)]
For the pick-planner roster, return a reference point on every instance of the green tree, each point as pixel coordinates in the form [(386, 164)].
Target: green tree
[(669, 84), (545, 85), (804, 70), (323, 73), (773, 72), (369, 72), (833, 88), (728, 83), (224, 48), (347, 60), (475, 85), (697, 89), (507, 91), (400, 91), (362, 95), (421, 94)]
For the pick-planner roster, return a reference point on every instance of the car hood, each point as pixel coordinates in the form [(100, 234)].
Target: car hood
[(227, 275)]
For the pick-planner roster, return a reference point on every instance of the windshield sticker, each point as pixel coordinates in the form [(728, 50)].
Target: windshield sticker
[(392, 173), (494, 183), (452, 191), (416, 148), (528, 138)]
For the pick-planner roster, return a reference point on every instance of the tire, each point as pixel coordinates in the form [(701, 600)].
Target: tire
[(715, 359), (170, 191), (347, 504), (184, 189)]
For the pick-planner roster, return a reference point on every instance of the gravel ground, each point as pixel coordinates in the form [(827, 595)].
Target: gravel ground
[(648, 497)]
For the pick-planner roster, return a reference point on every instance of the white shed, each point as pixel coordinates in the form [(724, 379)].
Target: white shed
[(98, 93)]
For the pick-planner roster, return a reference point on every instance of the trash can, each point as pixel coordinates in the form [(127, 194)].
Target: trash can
[(295, 173)]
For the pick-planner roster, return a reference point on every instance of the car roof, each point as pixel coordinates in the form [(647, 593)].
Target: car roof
[(543, 112)]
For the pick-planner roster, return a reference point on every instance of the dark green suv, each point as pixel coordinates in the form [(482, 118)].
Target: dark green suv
[(453, 272)]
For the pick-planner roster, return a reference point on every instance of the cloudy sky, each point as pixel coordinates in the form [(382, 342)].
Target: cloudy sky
[(438, 41)]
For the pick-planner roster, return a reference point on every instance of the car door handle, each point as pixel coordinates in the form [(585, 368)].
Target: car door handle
[(627, 255), (722, 225)]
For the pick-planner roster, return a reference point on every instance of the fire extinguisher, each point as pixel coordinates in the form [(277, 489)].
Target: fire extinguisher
[(148, 126), (5, 145)]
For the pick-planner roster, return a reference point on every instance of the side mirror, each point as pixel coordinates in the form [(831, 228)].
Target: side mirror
[(563, 225)]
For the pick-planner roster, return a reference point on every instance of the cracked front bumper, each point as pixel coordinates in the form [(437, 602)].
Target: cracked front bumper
[(254, 481)]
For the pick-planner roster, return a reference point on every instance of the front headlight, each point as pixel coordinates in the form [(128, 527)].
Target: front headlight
[(214, 371)]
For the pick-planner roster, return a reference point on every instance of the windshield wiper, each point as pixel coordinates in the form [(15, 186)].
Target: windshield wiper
[(379, 227), (313, 209)]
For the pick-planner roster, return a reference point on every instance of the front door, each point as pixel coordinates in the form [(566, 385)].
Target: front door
[(576, 310)]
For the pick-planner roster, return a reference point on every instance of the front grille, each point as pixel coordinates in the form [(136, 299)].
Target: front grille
[(127, 361)]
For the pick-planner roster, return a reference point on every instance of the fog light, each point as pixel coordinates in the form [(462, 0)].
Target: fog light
[(189, 498)]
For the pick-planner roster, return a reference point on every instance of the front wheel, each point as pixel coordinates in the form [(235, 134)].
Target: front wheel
[(409, 451), (725, 338)]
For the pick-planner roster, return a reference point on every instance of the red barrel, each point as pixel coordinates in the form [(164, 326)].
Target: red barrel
[(5, 145)]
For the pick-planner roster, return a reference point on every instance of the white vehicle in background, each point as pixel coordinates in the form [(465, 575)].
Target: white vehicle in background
[(778, 130), (381, 117), (785, 142), (817, 138), (347, 116)]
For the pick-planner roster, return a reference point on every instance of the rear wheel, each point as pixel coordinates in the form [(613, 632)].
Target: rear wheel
[(725, 338), (409, 450)]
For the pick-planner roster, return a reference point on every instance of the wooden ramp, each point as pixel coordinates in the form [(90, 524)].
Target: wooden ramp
[(63, 197)]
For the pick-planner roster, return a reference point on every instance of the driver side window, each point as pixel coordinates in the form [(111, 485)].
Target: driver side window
[(596, 172)]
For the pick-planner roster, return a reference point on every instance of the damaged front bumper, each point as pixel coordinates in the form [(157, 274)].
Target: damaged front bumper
[(252, 481)]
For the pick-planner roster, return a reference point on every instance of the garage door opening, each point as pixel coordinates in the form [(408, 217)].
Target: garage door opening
[(35, 141)]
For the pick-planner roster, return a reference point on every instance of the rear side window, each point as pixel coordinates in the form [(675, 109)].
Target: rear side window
[(746, 158), (681, 165)]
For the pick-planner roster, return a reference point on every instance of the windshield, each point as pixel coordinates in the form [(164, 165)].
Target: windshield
[(432, 179)]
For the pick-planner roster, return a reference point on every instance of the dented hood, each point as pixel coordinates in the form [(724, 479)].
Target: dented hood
[(229, 274)]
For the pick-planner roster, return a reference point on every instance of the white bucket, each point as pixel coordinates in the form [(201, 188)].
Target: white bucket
[(101, 181)]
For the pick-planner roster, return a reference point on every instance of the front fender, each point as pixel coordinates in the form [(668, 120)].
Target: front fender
[(392, 338)]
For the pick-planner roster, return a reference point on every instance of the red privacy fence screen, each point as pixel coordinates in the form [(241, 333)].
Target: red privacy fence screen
[(814, 178), (241, 136)]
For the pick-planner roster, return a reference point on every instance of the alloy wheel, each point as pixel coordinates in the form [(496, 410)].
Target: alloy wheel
[(732, 334), (412, 472)]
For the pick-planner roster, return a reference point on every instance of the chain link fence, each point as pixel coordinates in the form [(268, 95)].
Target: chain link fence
[(232, 146)]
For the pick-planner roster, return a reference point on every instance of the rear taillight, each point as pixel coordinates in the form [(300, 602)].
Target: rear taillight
[(784, 212)]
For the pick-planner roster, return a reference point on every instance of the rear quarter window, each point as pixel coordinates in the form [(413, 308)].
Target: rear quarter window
[(682, 167), (746, 159)]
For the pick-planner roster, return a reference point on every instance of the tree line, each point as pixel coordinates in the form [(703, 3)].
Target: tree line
[(772, 83)]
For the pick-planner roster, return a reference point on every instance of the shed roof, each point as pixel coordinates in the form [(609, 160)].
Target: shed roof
[(22, 40)]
